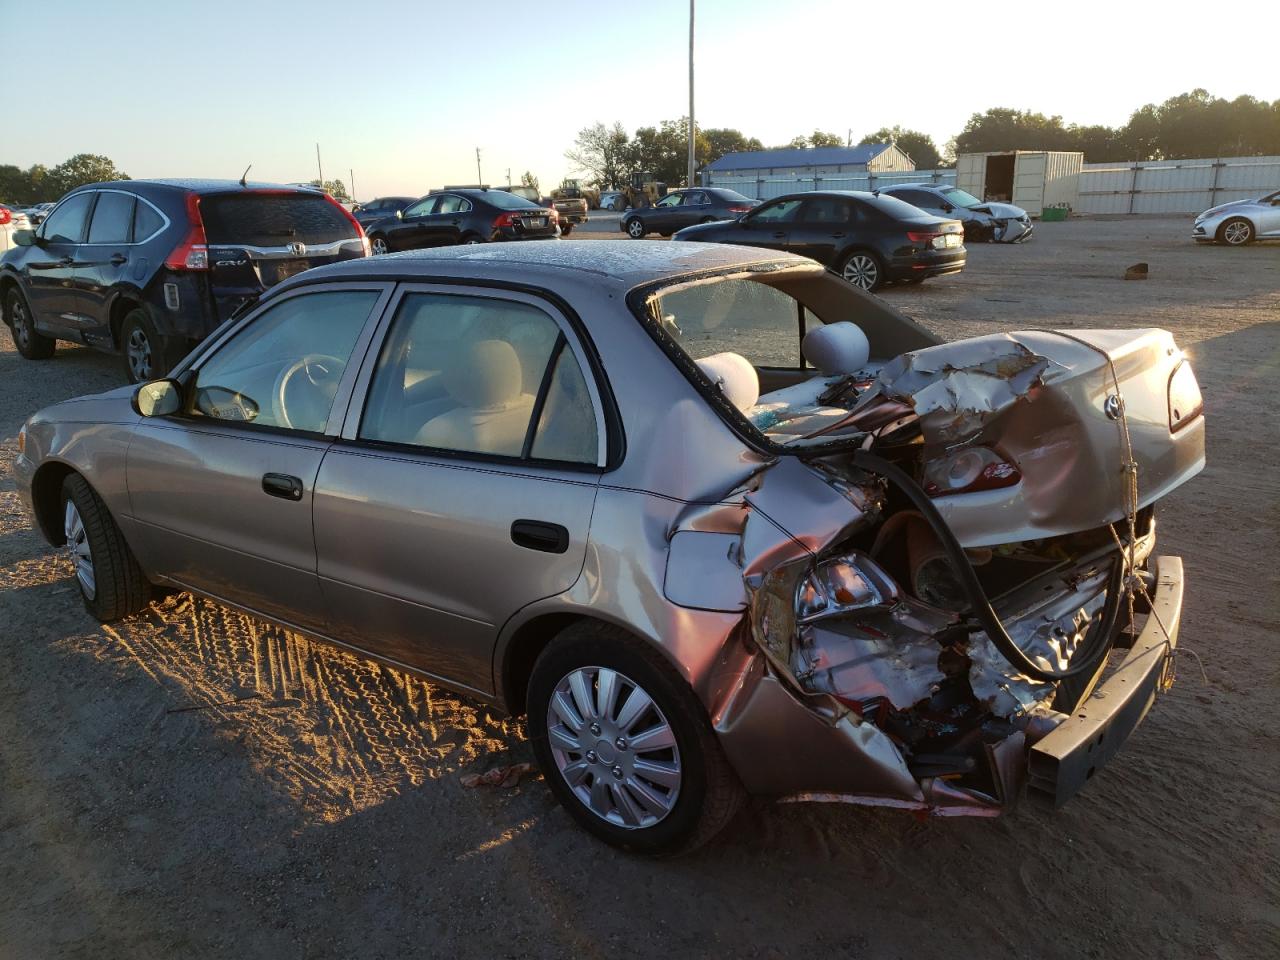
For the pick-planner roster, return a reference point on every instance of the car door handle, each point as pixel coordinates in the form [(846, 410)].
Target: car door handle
[(282, 485), (779, 235), (537, 535), (118, 259)]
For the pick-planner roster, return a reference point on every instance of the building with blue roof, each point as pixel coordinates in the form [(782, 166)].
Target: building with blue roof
[(812, 162)]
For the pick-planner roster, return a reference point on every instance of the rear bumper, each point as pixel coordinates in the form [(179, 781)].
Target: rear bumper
[(1061, 763), (926, 265)]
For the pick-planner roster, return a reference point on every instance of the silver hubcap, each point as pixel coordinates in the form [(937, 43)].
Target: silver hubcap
[(1237, 232), (379, 246), (78, 548), (614, 747), (861, 271), (636, 229), (21, 332), (139, 350)]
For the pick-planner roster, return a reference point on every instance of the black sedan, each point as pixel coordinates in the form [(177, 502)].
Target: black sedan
[(870, 240), (381, 208), (446, 217), (684, 208)]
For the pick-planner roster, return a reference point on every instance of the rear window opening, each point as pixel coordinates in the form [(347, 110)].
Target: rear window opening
[(273, 219)]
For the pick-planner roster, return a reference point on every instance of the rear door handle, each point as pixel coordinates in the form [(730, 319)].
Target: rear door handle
[(779, 236), (282, 485), (838, 236), (119, 258), (537, 535)]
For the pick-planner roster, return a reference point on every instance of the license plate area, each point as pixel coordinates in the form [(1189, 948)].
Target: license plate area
[(534, 223), (284, 269)]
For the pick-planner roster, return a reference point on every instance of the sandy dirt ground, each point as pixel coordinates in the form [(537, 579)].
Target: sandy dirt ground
[(195, 783)]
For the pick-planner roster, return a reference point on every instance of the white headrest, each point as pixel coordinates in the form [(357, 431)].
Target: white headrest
[(486, 374), (837, 348), (735, 376)]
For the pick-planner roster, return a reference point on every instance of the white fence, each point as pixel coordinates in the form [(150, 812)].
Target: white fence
[(1174, 186), (766, 188)]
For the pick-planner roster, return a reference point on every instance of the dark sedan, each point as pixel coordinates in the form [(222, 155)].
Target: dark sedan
[(447, 217), (684, 208), (870, 240), (379, 209)]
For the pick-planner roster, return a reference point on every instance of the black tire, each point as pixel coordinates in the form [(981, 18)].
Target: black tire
[(471, 239), (709, 794), (863, 269), (145, 352), (635, 228), (120, 588), (1236, 232), (566, 229), (30, 343)]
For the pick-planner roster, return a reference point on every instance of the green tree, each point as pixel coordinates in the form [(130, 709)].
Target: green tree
[(1002, 128), (76, 172), (664, 151), (821, 139), (527, 179), (603, 154), (918, 146), (335, 188), (721, 141)]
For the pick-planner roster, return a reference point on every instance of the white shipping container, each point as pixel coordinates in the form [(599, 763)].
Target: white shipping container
[(1031, 179)]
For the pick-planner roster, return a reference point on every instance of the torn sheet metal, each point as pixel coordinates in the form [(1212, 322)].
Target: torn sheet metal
[(858, 665), (957, 388)]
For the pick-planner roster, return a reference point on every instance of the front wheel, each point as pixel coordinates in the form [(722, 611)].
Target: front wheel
[(863, 270), (1236, 232), (30, 343), (635, 229), (625, 745), (111, 583), (378, 245)]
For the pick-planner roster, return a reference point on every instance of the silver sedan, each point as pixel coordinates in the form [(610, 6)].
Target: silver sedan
[(1240, 222), (718, 522)]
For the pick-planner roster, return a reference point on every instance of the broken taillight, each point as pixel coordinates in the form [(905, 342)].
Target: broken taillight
[(969, 470)]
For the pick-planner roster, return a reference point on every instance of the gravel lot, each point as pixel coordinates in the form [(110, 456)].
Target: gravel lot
[(196, 783)]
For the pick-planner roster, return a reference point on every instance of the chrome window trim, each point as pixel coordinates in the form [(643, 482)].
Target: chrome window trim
[(360, 393), (125, 243)]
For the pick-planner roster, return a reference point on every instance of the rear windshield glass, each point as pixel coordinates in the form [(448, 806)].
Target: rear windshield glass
[(507, 201), (733, 196), (893, 207), (273, 219)]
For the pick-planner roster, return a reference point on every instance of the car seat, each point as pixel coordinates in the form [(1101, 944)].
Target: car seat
[(735, 377), (492, 415), (837, 349)]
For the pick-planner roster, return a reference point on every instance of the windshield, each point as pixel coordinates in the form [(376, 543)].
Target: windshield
[(761, 318), (960, 198)]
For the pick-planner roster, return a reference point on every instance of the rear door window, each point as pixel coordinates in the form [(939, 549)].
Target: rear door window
[(112, 218), (273, 219), (66, 223)]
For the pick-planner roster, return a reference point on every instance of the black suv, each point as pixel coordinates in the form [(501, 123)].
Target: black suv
[(463, 215), (147, 268)]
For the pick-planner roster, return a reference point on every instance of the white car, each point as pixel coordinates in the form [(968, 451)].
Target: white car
[(1240, 222), (11, 220)]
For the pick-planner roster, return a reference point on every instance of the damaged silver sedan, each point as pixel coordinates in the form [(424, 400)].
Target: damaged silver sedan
[(717, 521)]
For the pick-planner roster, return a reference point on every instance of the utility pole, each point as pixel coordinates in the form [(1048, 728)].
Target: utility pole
[(692, 126), (849, 139), (508, 176), (479, 178), (319, 169), (352, 174)]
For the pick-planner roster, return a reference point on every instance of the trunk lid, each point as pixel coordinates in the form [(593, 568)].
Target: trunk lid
[(258, 238)]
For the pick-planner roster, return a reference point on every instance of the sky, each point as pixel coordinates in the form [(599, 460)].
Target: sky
[(403, 93)]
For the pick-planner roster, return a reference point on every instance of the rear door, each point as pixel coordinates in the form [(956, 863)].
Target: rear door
[(822, 228), (50, 267), (257, 238), (104, 260), (444, 226), (463, 485), (221, 495)]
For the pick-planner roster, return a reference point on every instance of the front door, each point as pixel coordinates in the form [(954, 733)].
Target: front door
[(463, 486), (770, 224), (413, 228), (50, 271), (221, 495), (1269, 218)]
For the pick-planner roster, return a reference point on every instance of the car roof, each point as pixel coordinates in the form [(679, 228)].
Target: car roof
[(535, 262), (195, 185), (913, 186)]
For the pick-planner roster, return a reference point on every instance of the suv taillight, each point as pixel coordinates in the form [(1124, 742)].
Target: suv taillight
[(354, 222), (193, 252)]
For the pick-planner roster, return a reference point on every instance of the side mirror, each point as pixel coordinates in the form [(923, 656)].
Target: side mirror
[(25, 238), (159, 398), (399, 214)]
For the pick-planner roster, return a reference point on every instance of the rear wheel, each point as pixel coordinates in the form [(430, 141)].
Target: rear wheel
[(472, 238), (1236, 232), (566, 229), (144, 349), (111, 583), (625, 745), (32, 345), (635, 229), (378, 244), (862, 268)]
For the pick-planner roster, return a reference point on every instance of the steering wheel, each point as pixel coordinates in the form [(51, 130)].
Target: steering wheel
[(313, 381)]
